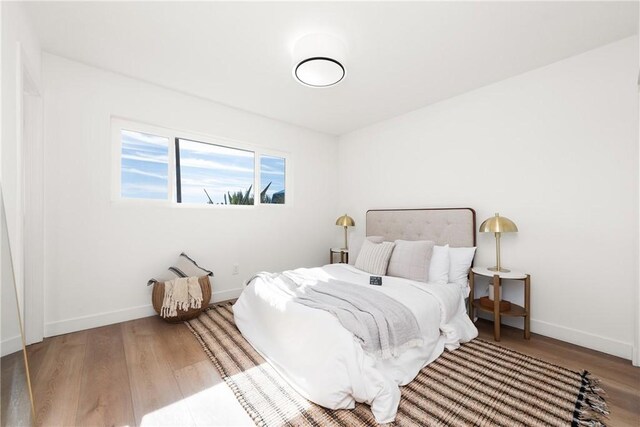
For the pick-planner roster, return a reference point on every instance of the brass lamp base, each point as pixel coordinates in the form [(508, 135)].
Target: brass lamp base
[(500, 269)]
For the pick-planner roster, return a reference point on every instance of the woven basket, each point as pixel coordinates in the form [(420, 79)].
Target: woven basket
[(157, 297)]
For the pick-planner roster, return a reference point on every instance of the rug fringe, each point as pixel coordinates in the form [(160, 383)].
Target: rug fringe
[(591, 408)]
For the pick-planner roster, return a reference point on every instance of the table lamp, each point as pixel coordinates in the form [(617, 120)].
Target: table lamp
[(498, 225), (345, 221)]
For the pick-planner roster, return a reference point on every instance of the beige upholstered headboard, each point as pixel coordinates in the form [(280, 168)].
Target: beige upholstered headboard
[(453, 226)]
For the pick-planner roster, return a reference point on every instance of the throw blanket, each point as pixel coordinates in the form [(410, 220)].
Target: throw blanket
[(181, 294), (383, 326)]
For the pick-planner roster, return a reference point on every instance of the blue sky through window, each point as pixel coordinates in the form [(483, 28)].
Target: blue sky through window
[(145, 166), (220, 170), (272, 170)]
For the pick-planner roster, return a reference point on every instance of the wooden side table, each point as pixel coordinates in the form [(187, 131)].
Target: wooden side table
[(514, 311), (344, 255)]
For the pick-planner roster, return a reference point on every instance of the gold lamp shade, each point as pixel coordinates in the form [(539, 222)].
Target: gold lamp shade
[(345, 221), (498, 224)]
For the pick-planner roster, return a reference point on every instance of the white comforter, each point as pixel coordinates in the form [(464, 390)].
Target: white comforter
[(323, 361)]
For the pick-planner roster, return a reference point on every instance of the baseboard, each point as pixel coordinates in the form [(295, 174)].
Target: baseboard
[(574, 336), (226, 295), (10, 345), (107, 318), (583, 339), (96, 320)]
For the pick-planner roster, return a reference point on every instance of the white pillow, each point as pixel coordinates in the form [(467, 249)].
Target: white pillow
[(374, 257), (410, 259), (356, 244), (439, 266), (460, 260)]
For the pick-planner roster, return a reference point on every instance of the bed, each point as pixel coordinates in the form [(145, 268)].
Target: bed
[(321, 359)]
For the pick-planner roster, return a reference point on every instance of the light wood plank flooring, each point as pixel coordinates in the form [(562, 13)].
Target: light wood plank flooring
[(148, 372)]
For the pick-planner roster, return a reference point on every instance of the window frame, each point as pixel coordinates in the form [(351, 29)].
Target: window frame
[(286, 178), (119, 124), (200, 141)]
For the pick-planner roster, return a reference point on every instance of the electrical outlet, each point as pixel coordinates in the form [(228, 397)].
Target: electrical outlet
[(236, 269)]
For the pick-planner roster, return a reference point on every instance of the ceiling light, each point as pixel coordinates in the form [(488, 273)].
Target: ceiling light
[(318, 60), (319, 72)]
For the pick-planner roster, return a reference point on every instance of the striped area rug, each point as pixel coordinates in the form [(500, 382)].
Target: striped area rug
[(479, 384)]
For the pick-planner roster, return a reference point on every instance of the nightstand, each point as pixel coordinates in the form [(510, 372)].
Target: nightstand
[(514, 311), (344, 255)]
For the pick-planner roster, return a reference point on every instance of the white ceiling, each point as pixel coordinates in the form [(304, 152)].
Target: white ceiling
[(402, 56)]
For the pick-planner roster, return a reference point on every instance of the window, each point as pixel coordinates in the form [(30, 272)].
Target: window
[(214, 174), (272, 179), (168, 166), (145, 166)]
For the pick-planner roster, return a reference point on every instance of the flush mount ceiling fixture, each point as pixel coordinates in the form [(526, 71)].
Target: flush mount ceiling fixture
[(319, 60)]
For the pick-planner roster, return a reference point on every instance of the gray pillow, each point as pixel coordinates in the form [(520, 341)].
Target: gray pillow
[(411, 259), (183, 267), (354, 248), (374, 257)]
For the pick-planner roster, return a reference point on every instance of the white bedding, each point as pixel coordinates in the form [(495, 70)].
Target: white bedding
[(322, 360)]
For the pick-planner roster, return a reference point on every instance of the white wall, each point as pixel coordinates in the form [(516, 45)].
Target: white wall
[(100, 254), (17, 33), (555, 150), (636, 349)]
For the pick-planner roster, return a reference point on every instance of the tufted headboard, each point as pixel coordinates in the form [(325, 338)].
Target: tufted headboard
[(455, 226)]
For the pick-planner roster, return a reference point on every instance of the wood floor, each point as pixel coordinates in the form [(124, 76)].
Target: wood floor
[(148, 372)]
